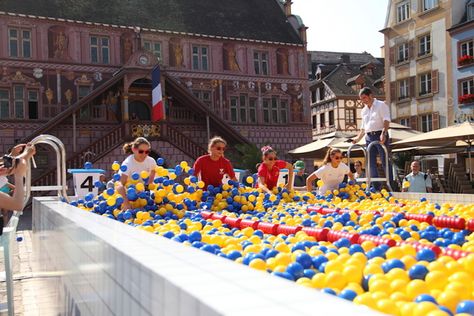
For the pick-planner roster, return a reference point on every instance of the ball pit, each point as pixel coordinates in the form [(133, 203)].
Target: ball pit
[(400, 257)]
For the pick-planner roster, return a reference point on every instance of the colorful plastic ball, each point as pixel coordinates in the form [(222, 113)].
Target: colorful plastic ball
[(135, 176), (425, 298), (347, 294), (320, 183), (115, 166), (179, 188), (249, 180), (296, 270), (426, 254), (144, 174), (89, 197), (116, 177), (466, 307), (123, 168), (110, 191), (160, 161), (88, 165), (418, 272), (305, 260)]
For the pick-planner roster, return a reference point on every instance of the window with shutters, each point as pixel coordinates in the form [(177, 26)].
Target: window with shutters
[(403, 11), (19, 43), (322, 120), (425, 84), (405, 121), (403, 54), (424, 45), (314, 120), (426, 122)]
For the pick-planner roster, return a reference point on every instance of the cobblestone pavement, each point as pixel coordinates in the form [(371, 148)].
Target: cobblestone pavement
[(27, 284)]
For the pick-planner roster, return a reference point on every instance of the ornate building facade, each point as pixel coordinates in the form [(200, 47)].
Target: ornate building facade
[(338, 78), (419, 67), (462, 43), (82, 72)]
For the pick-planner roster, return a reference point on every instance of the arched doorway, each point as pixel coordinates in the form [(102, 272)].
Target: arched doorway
[(138, 107), (139, 111)]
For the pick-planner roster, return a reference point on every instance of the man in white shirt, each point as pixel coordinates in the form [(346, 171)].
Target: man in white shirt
[(419, 181), (375, 125)]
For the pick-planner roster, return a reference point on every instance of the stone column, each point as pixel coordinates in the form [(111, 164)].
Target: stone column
[(125, 108)]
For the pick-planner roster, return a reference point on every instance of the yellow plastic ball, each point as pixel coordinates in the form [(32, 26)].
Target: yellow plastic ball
[(115, 166), (179, 188), (183, 164), (249, 179), (320, 183), (144, 174)]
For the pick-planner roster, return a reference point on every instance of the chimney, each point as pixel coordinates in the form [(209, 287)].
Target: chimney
[(287, 7), (345, 59), (302, 30)]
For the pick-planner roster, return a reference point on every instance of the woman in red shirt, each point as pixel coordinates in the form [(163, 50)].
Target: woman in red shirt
[(211, 168), (269, 170)]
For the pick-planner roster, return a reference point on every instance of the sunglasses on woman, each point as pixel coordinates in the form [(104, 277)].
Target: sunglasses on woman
[(337, 157), (272, 158), (141, 151), (220, 148)]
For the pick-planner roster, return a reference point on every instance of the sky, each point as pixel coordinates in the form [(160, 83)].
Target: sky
[(343, 25)]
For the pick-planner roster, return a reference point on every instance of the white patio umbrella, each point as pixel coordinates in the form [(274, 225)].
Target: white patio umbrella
[(444, 137)]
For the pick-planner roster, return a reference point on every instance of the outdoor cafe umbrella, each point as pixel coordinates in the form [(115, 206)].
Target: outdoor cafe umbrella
[(444, 137), (318, 148)]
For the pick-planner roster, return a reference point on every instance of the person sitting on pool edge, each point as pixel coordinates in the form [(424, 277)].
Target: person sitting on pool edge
[(269, 170), (331, 173), (18, 171), (137, 162), (212, 167), (359, 172)]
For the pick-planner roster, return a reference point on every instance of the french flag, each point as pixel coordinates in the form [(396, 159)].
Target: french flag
[(158, 110)]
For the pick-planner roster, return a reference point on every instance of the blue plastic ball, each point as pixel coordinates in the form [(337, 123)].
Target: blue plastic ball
[(425, 298), (87, 165), (465, 307), (426, 255), (135, 176), (305, 260), (418, 271), (347, 294), (296, 270), (160, 161)]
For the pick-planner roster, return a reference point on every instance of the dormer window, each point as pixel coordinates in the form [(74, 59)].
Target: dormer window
[(470, 10)]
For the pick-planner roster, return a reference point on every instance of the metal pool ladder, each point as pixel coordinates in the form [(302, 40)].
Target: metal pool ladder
[(9, 232)]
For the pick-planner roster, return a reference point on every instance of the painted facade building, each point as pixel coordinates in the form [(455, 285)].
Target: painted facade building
[(418, 69), (83, 72), (462, 43), (338, 78)]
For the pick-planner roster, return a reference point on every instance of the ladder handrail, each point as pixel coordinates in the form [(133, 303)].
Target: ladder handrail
[(60, 150), (351, 147), (387, 164)]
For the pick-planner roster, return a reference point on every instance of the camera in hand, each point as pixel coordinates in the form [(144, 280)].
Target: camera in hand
[(8, 161)]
